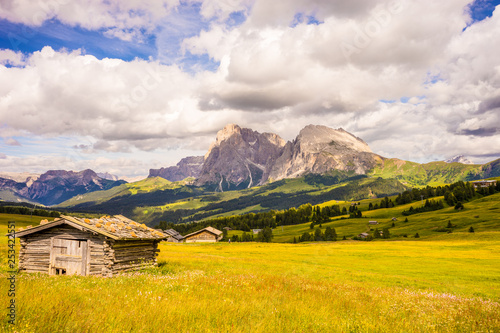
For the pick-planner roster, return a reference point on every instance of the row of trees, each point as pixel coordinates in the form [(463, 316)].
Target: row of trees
[(303, 214), (453, 194), (430, 205), (318, 236), (265, 235), (28, 211)]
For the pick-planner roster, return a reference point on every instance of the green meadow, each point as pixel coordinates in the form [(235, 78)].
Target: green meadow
[(445, 283)]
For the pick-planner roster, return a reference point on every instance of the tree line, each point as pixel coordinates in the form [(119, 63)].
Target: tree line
[(28, 211)]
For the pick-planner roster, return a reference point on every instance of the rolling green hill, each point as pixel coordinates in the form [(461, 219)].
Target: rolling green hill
[(483, 214), (433, 173), (156, 199)]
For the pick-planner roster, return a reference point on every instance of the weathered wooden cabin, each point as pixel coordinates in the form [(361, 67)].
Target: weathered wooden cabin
[(173, 236), (207, 235), (78, 246)]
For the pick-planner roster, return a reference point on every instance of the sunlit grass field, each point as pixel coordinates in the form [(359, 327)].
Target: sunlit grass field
[(440, 285)]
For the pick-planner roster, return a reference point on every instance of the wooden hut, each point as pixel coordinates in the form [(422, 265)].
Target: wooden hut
[(173, 236), (78, 246), (207, 235)]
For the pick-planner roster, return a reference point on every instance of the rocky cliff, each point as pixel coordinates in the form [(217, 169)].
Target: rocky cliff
[(239, 158), (187, 167), (319, 149)]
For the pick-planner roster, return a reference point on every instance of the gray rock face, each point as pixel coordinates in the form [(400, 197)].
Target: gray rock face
[(187, 167), (319, 149), (240, 158), (459, 159)]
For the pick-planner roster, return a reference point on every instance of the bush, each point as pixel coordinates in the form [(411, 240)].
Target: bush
[(265, 235), (471, 229)]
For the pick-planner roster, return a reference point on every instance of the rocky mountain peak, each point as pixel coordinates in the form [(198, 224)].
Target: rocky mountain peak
[(459, 159), (187, 167), (228, 131), (240, 157), (320, 138), (224, 134)]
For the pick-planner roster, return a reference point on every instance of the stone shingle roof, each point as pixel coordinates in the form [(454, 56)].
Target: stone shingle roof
[(117, 227)]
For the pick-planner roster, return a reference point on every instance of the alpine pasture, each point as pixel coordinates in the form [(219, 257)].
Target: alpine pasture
[(444, 284)]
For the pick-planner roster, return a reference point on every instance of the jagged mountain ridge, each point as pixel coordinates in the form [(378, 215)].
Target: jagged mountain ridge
[(56, 186), (187, 167), (242, 158)]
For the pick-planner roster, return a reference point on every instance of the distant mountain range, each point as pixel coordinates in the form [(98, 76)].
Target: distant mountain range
[(241, 158), (54, 186)]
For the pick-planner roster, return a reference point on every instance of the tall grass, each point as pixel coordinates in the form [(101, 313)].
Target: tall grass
[(415, 286)]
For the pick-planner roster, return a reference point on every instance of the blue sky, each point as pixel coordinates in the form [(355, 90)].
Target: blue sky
[(187, 68)]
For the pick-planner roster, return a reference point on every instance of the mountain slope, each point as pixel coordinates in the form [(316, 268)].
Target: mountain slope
[(433, 173)]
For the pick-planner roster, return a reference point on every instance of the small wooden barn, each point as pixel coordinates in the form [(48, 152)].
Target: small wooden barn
[(207, 235), (78, 246), (173, 236)]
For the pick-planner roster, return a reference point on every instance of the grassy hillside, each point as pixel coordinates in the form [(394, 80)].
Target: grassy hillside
[(143, 186), (482, 214), (447, 285), (154, 200), (8, 195), (434, 173)]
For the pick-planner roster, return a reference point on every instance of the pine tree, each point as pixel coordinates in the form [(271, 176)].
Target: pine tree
[(471, 229), (417, 235), (318, 235)]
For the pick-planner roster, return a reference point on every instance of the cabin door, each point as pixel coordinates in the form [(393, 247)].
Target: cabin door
[(68, 257)]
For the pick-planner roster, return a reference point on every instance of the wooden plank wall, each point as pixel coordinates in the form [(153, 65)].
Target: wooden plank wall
[(34, 254), (132, 255), (204, 236)]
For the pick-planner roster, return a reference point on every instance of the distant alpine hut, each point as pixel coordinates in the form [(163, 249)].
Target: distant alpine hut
[(363, 235), (256, 231), (80, 246), (484, 183), (207, 235), (173, 236), (373, 222)]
